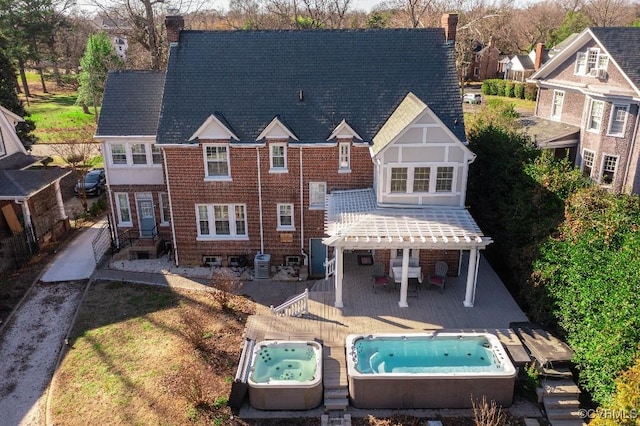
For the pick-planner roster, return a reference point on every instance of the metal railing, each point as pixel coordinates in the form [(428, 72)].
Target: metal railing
[(294, 307), (130, 236)]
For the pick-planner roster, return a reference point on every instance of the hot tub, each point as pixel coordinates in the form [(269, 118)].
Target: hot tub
[(286, 375), (439, 370)]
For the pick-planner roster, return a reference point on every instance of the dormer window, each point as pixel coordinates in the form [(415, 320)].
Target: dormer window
[(421, 179), (345, 157), (591, 62), (278, 157), (399, 179)]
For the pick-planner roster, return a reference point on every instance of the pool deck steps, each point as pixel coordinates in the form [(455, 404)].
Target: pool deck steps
[(560, 400), (336, 393)]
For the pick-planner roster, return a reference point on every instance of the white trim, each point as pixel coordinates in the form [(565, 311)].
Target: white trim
[(344, 166), (344, 130), (212, 120), (433, 174), (163, 199), (317, 206), (590, 116), (211, 222), (555, 114), (593, 160), (276, 123), (122, 223), (226, 177), (282, 227), (624, 121), (11, 116), (284, 168), (615, 171)]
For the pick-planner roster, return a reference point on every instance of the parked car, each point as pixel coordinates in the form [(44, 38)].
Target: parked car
[(94, 182), (472, 98)]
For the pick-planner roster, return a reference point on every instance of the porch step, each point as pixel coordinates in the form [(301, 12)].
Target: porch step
[(564, 387), (567, 423), (558, 401), (563, 414), (336, 393), (336, 404), (327, 420)]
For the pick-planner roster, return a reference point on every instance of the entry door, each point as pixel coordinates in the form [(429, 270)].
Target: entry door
[(318, 256), (146, 218)]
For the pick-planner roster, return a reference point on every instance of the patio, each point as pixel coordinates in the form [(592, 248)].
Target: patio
[(366, 311)]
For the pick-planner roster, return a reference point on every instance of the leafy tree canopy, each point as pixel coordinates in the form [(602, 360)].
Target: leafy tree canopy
[(98, 59), (573, 22)]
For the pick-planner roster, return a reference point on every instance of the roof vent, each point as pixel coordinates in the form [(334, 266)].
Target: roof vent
[(301, 95)]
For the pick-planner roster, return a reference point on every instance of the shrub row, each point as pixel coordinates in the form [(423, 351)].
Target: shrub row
[(510, 89)]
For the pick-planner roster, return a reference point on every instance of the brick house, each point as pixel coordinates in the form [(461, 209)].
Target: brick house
[(31, 207), (301, 145), (591, 88), (484, 62)]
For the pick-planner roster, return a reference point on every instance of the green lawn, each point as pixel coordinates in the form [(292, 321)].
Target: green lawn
[(58, 119), (521, 105)]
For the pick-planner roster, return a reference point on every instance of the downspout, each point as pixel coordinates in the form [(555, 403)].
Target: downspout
[(631, 148), (173, 222), (260, 201), (110, 194), (301, 206)]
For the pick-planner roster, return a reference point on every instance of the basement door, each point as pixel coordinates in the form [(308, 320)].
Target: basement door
[(318, 257)]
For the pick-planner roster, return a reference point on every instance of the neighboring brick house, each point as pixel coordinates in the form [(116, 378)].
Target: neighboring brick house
[(484, 63), (31, 207), (593, 86), (290, 142)]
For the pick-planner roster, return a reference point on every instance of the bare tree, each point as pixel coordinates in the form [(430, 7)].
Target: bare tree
[(78, 155), (609, 13)]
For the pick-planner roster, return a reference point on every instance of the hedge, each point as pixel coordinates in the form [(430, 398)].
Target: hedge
[(510, 89)]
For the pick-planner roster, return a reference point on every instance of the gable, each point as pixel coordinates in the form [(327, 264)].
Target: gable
[(314, 79), (9, 141), (623, 64), (213, 128), (277, 129)]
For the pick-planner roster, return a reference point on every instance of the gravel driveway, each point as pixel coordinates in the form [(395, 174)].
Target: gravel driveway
[(29, 346)]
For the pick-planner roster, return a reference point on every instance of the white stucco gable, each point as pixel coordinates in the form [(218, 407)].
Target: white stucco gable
[(213, 128), (419, 161)]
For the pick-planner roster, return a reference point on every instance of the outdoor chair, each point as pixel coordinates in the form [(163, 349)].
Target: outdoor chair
[(379, 278), (439, 276)]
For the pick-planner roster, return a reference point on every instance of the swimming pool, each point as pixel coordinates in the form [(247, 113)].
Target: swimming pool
[(286, 375), (437, 370)]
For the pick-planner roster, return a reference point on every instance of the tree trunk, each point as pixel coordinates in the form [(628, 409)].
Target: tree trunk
[(44, 85), (85, 108), (23, 77), (151, 31)]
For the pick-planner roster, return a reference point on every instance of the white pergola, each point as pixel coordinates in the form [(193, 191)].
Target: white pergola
[(355, 222)]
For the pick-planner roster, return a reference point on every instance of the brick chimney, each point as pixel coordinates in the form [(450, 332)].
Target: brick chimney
[(174, 25), (539, 53), (449, 22)]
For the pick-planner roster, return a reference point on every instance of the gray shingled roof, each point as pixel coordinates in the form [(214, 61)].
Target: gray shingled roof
[(621, 43), (17, 161), (249, 77), (25, 183), (131, 103)]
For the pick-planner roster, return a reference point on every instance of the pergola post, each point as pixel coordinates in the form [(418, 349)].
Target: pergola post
[(404, 282), (338, 277), (472, 277)]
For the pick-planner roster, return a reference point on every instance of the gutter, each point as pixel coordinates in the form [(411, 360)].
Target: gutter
[(260, 200), (173, 222)]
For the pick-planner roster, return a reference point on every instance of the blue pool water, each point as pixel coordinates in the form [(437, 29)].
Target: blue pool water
[(425, 354)]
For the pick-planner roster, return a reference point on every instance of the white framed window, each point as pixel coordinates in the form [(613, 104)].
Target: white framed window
[(118, 154), (317, 195), (556, 107), (124, 209), (344, 157), (156, 154), (165, 213), (222, 221), (476, 71), (216, 162), (138, 153), (278, 157), (595, 116), (399, 177), (421, 178), (285, 217), (444, 179), (618, 120), (590, 62), (587, 162), (609, 165)]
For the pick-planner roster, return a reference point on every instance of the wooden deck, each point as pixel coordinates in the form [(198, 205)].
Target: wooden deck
[(366, 311)]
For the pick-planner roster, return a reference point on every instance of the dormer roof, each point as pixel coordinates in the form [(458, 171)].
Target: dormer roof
[(277, 129), (214, 127)]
